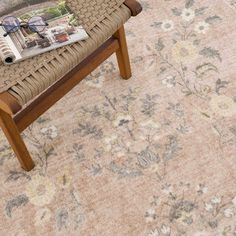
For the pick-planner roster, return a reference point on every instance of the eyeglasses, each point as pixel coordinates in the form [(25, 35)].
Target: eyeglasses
[(35, 24)]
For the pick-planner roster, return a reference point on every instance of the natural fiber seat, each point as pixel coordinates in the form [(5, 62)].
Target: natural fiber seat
[(31, 87), (27, 79)]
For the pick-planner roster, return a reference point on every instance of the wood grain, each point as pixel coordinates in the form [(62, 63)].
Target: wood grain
[(134, 6), (9, 104), (13, 135), (123, 55)]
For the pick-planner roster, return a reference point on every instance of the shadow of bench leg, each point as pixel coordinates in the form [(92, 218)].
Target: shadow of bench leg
[(122, 54), (13, 135)]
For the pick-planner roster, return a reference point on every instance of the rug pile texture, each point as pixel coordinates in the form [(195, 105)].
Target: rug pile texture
[(151, 156)]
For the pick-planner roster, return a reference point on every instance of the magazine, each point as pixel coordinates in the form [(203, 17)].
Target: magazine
[(32, 27)]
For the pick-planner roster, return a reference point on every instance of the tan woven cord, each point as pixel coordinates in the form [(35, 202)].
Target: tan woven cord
[(93, 11), (27, 79)]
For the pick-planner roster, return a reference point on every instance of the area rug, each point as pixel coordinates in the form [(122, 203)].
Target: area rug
[(151, 156)]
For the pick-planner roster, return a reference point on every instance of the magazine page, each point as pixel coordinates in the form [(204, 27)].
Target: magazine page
[(8, 51), (32, 27)]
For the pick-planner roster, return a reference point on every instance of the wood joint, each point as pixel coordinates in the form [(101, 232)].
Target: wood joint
[(9, 104), (134, 6)]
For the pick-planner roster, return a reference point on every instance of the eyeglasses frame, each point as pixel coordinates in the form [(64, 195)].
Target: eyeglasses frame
[(24, 25)]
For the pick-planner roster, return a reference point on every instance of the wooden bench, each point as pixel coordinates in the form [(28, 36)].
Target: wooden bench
[(30, 95)]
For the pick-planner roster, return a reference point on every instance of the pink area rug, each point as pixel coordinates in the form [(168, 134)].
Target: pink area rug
[(151, 156)]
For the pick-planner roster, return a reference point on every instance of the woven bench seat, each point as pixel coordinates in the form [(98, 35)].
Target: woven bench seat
[(27, 79), (29, 88)]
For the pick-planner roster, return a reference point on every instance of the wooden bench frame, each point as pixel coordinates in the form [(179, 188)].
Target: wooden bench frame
[(14, 119)]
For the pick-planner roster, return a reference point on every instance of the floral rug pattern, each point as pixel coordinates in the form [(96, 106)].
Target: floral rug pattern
[(151, 156), (231, 3)]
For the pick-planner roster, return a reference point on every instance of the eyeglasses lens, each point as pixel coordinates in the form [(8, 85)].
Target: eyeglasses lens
[(37, 24), (11, 24)]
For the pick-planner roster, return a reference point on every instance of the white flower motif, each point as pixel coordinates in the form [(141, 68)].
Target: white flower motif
[(109, 141), (2, 138), (184, 51), (151, 211), (201, 233), (154, 168), (208, 207), (122, 120), (188, 14), (165, 230), (216, 200), (201, 188), (95, 82), (150, 124), (5, 152), (228, 212), (112, 145), (40, 191), (167, 25), (167, 189), (42, 216), (128, 144), (169, 81), (205, 89), (223, 105), (150, 215), (142, 137), (21, 233), (157, 137), (202, 27), (107, 67), (120, 154), (50, 132), (154, 232), (234, 201)]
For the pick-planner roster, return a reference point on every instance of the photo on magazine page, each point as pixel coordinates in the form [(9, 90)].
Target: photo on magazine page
[(32, 27)]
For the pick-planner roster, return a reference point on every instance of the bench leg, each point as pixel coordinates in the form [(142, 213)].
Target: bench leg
[(13, 135), (122, 54)]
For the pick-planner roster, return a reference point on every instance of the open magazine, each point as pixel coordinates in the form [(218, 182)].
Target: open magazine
[(32, 27)]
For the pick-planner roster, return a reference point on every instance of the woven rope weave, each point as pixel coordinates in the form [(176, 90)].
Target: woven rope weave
[(27, 79), (93, 11)]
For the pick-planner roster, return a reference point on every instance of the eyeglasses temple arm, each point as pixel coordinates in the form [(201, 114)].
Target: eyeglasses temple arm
[(40, 35)]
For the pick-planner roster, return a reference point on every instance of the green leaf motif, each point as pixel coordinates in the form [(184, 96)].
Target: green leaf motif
[(171, 148), (196, 42), (200, 11), (209, 52), (61, 218), (147, 157), (156, 24), (124, 171), (160, 45), (233, 130), (15, 175), (176, 11), (205, 114), (148, 48), (189, 3), (220, 85), (204, 68), (213, 19), (16, 202)]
